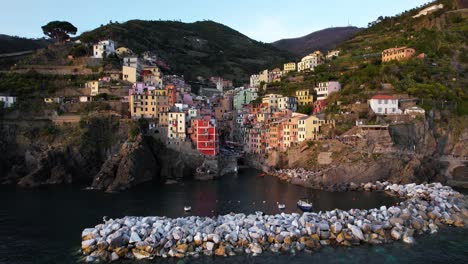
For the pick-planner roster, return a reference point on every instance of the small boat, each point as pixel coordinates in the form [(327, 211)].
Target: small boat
[(262, 175), (187, 208), (304, 205), (281, 206)]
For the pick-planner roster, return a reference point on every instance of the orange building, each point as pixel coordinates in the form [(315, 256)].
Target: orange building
[(398, 54), (171, 94)]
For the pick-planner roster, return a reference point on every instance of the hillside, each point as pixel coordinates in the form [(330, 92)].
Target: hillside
[(195, 49), (439, 79), (10, 44), (322, 40)]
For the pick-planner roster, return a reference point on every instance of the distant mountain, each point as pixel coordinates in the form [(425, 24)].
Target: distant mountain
[(322, 40), (203, 48), (10, 44)]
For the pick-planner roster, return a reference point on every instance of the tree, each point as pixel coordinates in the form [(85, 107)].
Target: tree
[(59, 30)]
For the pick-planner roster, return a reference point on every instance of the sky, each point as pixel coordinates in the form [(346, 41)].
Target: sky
[(261, 20)]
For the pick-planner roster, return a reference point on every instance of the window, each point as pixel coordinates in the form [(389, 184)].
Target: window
[(379, 110)]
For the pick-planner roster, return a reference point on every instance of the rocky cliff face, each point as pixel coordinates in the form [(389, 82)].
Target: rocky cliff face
[(422, 150), (144, 160), (37, 153)]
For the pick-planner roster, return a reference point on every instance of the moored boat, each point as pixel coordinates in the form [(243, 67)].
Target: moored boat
[(304, 205), (187, 208), (281, 206)]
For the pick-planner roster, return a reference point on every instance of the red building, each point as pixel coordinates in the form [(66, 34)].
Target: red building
[(171, 94), (205, 137)]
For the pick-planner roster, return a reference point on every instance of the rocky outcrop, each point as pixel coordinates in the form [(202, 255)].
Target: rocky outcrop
[(134, 164), (144, 160), (425, 209)]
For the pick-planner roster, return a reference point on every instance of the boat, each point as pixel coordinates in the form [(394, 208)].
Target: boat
[(304, 205), (281, 206), (262, 175), (187, 208)]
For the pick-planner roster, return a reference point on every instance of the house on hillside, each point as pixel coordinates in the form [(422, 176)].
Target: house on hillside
[(398, 54), (289, 67), (93, 86), (384, 105), (332, 53), (309, 62), (304, 97), (106, 47), (8, 100), (324, 89)]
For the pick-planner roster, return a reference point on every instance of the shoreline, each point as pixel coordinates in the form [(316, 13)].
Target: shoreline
[(425, 208)]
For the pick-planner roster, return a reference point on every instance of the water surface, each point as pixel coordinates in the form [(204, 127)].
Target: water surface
[(44, 225)]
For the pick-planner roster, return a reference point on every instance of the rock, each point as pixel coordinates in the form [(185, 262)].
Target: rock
[(121, 251), (220, 251), (182, 248), (340, 238), (90, 259), (88, 233), (209, 246), (356, 231), (395, 220), (408, 239), (114, 256), (134, 237), (88, 243), (256, 248), (396, 235), (336, 227), (140, 254), (198, 239)]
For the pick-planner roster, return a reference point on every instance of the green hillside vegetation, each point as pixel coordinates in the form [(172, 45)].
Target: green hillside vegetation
[(194, 49), (11, 44), (439, 79)]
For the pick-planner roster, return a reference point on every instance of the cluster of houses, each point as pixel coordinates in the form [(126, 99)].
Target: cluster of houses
[(179, 117)]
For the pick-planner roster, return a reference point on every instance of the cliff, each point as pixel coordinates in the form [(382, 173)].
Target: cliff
[(95, 151), (420, 151), (144, 160)]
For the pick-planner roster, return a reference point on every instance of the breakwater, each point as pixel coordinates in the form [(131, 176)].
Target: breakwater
[(425, 208)]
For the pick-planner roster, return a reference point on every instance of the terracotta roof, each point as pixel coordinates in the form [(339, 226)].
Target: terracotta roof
[(383, 96)]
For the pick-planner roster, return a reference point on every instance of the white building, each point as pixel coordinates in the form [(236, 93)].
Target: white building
[(287, 103), (176, 125), (324, 89), (254, 80), (272, 101), (309, 62), (103, 47), (332, 53), (384, 105), (132, 61), (93, 86), (8, 101), (414, 110)]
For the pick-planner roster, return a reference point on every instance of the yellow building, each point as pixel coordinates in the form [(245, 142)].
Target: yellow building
[(122, 51), (130, 74), (398, 54), (304, 97), (310, 127), (289, 67), (148, 104)]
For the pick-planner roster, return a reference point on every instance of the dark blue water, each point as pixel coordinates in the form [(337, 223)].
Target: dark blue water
[(44, 225)]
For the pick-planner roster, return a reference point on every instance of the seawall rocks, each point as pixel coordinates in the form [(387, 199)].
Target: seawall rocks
[(425, 209)]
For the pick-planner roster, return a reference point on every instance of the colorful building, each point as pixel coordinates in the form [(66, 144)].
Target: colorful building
[(304, 97), (205, 137), (289, 67), (147, 101), (309, 62), (287, 103)]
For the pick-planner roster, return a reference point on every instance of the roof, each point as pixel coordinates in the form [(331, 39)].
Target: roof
[(383, 96)]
